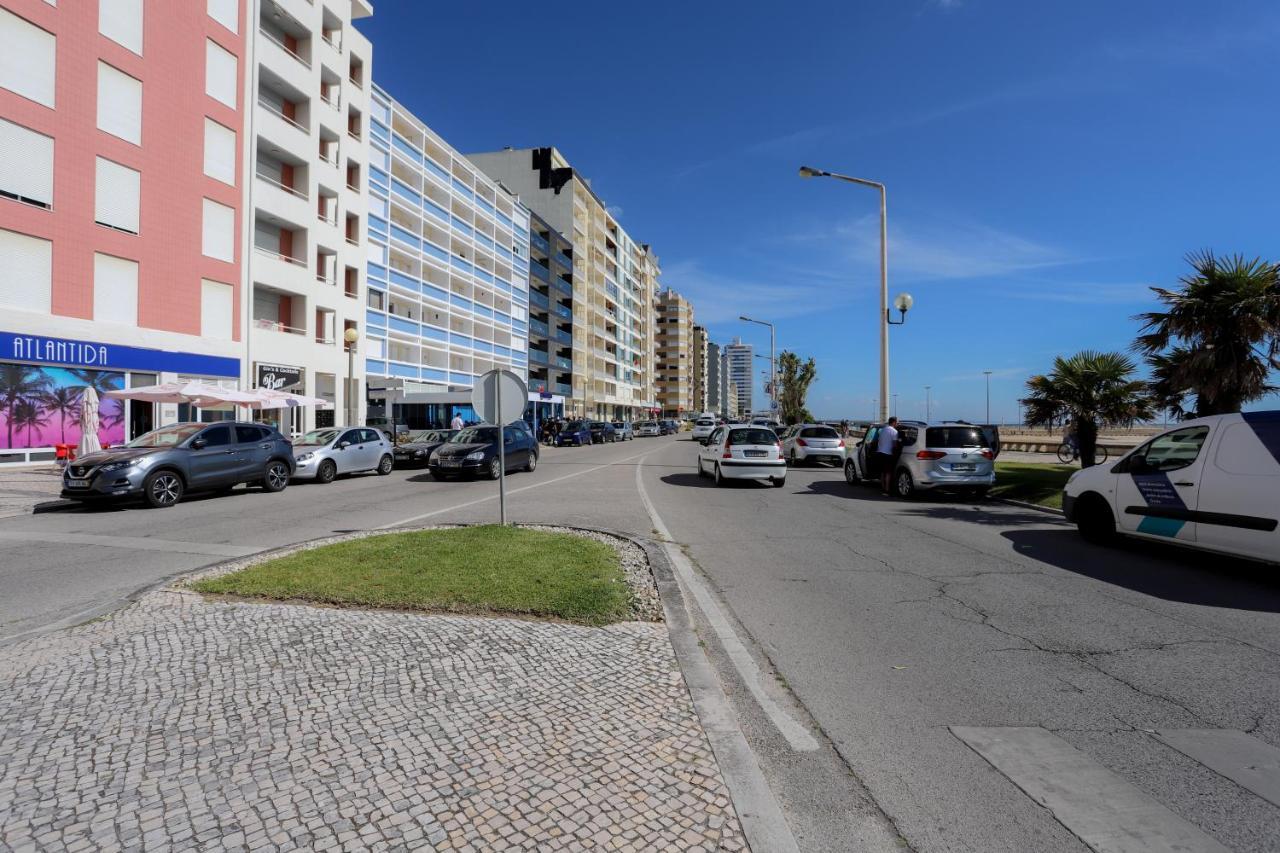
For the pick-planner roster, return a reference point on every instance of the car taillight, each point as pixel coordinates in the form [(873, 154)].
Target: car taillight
[(929, 454), (779, 446), (840, 443), (987, 454), (727, 454), (801, 442)]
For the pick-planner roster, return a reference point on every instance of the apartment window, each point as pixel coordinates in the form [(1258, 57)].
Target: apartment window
[(219, 152), (115, 200), (26, 169), (216, 315), (220, 74), (119, 104), (27, 61), (218, 233), (115, 290), (121, 21), (28, 272), (226, 12)]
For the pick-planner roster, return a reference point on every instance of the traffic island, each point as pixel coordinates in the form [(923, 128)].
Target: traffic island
[(193, 720)]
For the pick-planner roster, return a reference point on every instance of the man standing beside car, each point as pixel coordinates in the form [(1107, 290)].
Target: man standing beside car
[(886, 449), (456, 424)]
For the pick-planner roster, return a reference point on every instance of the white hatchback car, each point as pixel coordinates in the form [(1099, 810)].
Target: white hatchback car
[(813, 443), (1212, 483), (702, 429), (742, 452), (323, 454)]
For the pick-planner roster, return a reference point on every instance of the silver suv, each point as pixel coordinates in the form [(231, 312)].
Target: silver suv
[(947, 455)]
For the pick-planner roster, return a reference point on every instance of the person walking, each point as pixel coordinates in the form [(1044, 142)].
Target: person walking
[(456, 423), (886, 452)]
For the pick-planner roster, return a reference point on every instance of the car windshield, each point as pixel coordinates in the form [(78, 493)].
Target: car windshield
[(754, 435), (167, 436), (819, 432), (319, 436), (476, 435), (706, 422), (422, 435), (618, 424), (955, 437), (574, 426)]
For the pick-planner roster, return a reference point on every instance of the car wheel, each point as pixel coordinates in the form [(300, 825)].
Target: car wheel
[(719, 476), (701, 471), (792, 459), (533, 463), (276, 477), (162, 489), (385, 464), (495, 468), (850, 473), (327, 471), (779, 482), (1095, 521), (903, 486)]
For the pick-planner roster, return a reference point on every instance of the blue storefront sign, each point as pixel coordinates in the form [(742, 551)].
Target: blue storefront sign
[(67, 352)]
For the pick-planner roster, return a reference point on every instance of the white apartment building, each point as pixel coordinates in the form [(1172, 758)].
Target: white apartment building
[(448, 289), (307, 202), (738, 357), (615, 283)]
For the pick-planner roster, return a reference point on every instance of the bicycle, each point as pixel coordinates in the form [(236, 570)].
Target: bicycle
[(1068, 454)]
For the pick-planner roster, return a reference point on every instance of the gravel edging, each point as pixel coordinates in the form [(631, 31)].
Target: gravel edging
[(645, 606)]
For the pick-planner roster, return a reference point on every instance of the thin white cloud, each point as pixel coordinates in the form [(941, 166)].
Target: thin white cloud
[(722, 298), (1083, 293)]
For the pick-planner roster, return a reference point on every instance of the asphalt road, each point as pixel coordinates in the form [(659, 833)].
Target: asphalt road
[(906, 638)]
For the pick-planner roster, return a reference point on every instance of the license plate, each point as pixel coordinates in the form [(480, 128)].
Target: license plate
[(963, 466), (451, 463), (77, 484), (754, 454)]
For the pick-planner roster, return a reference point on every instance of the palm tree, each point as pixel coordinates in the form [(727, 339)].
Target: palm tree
[(17, 383), (103, 381), (794, 379), (27, 413), (1092, 390), (62, 401), (1217, 339)]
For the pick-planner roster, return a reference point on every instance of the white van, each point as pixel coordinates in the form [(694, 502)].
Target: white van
[(1212, 483)]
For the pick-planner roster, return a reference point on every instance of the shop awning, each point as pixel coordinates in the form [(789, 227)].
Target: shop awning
[(201, 394)]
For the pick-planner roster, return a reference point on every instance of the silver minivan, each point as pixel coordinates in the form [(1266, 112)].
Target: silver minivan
[(947, 455)]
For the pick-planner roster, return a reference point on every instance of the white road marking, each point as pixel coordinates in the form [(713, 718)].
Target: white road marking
[(135, 543), (796, 734), (493, 497), (1243, 759), (1105, 811)]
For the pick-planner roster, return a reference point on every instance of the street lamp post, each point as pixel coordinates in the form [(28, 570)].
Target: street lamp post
[(773, 367), (987, 373), (895, 405), (928, 403), (351, 336), (902, 302)]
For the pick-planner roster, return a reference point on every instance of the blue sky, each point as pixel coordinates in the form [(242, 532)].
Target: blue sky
[(1045, 163)]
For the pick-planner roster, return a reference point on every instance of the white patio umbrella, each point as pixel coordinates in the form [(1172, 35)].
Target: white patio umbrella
[(89, 442), (269, 398), (202, 394)]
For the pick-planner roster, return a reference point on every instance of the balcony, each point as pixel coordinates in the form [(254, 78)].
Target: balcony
[(276, 326), (538, 300), (566, 260), (564, 363), (539, 270), (563, 337), (538, 356), (562, 389), (537, 327), (293, 54), (563, 311), (289, 134), (563, 287), (539, 242)]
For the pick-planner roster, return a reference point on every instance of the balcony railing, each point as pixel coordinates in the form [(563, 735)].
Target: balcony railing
[(333, 103), (537, 356), (272, 109), (324, 279), (271, 253), (539, 270), (566, 260), (539, 328), (276, 326), (290, 190), (562, 389), (564, 363), (282, 46), (536, 298), (540, 242), (563, 337), (562, 311)]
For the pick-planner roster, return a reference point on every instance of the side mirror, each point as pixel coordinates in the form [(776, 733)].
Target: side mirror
[(1137, 465), (343, 445), (197, 443)]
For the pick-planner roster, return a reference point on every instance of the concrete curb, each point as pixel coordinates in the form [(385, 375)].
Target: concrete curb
[(1048, 510)]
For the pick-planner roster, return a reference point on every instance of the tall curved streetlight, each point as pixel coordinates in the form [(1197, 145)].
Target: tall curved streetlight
[(902, 302)]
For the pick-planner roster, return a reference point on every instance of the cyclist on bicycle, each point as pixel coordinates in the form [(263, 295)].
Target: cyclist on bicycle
[(1071, 440)]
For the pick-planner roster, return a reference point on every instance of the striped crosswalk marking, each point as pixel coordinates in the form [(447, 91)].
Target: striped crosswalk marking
[(1240, 757), (1105, 811)]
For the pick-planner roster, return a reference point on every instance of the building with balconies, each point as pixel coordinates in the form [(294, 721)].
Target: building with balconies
[(307, 203), (715, 379), (673, 355), (448, 273), (550, 309), (698, 354), (738, 367), (614, 283)]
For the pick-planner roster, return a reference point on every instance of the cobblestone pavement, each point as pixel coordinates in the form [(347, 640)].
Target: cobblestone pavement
[(184, 724)]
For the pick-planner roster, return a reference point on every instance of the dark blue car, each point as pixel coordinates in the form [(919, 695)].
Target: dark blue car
[(576, 433)]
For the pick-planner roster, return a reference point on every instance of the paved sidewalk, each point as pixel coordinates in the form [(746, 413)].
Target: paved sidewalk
[(22, 488), (183, 723)]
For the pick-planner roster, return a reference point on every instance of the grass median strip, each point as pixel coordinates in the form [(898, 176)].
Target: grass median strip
[(485, 569), (1032, 482)]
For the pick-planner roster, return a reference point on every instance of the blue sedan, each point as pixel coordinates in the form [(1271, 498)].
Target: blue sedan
[(576, 433)]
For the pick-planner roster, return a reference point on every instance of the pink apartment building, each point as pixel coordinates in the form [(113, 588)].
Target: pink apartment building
[(121, 166)]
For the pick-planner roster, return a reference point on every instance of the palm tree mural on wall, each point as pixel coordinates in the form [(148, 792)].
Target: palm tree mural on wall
[(40, 406)]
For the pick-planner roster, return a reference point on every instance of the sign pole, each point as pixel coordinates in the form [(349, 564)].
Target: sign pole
[(502, 457)]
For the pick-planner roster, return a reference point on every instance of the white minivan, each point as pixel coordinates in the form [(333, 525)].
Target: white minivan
[(1212, 483)]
